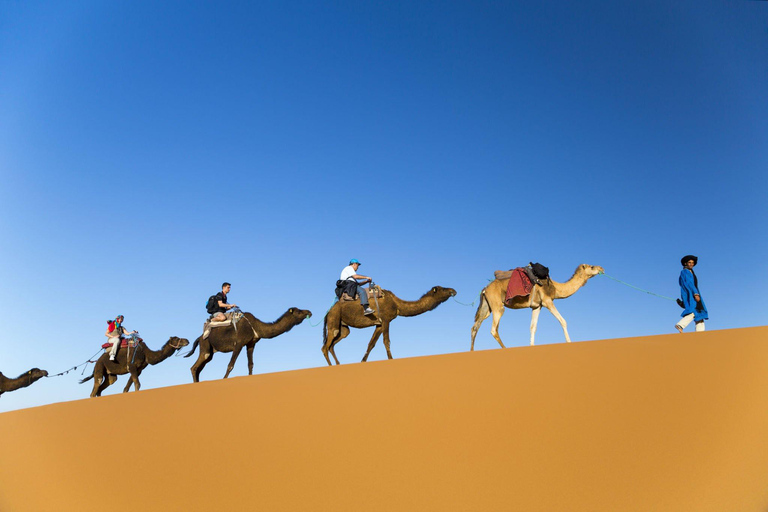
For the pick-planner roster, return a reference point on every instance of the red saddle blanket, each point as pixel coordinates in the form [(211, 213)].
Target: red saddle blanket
[(519, 284), (125, 343)]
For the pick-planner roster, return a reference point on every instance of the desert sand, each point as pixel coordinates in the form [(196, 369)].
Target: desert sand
[(662, 423)]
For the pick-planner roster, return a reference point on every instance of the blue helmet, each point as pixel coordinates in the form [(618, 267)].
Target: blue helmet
[(353, 260)]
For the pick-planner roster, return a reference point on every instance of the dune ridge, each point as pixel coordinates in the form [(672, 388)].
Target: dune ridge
[(662, 423)]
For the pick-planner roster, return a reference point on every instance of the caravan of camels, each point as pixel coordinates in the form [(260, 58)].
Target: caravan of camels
[(241, 330)]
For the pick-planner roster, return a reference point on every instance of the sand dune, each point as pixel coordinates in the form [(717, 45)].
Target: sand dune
[(665, 423)]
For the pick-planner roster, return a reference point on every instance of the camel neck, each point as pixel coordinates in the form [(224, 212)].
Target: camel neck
[(158, 356), (413, 308), (565, 290), (19, 382), (270, 330)]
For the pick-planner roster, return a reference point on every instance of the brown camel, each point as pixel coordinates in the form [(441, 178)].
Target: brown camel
[(492, 301), (132, 361), (346, 314), (22, 381), (249, 330)]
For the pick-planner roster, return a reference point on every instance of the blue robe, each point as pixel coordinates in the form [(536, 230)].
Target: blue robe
[(687, 291)]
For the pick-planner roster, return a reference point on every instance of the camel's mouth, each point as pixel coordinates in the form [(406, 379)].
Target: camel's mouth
[(453, 293)]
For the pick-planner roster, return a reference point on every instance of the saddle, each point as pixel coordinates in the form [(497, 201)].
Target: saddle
[(232, 319), (374, 292), (126, 342)]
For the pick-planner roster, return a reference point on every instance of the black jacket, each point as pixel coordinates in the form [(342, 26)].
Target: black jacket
[(349, 286)]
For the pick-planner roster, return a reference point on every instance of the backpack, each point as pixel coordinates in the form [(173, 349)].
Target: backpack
[(540, 270), (212, 306)]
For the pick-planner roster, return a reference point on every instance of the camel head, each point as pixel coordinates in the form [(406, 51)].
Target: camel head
[(440, 294), (298, 315), (589, 270), (178, 343), (36, 373)]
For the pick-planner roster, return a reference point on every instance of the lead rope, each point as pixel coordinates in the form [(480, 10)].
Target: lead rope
[(635, 287), (84, 365)]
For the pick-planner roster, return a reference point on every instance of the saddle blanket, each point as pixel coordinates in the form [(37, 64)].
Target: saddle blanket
[(519, 284), (125, 343)]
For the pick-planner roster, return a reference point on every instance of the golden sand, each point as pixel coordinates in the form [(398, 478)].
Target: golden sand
[(664, 423)]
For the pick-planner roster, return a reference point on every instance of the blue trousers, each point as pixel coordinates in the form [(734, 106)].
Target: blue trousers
[(363, 295)]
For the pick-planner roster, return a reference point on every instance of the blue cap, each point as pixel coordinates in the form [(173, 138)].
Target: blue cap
[(353, 260)]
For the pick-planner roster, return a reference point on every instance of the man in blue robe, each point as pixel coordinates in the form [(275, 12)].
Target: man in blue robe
[(693, 307)]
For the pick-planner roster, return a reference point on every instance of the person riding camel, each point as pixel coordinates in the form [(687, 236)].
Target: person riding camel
[(115, 334), (221, 306), (349, 273)]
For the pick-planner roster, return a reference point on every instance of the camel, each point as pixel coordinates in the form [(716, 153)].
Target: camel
[(492, 301), (132, 361), (22, 381), (346, 314), (248, 332)]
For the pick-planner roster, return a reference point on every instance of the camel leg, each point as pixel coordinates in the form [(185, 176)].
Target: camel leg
[(97, 381), (376, 333), (203, 359), (133, 379), (343, 333), (483, 312), (109, 379), (235, 354), (330, 340), (386, 341), (495, 325), (249, 353), (534, 322), (552, 309)]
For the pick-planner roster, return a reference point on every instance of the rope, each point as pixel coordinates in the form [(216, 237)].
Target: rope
[(635, 287), (473, 302), (76, 367), (323, 317)]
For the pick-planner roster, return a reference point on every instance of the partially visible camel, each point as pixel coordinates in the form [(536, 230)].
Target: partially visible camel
[(248, 332), (346, 314), (22, 381), (132, 361), (492, 300)]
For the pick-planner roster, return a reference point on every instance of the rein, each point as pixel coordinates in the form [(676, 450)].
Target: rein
[(635, 287)]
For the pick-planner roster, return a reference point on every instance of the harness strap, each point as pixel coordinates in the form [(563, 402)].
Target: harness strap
[(251, 326)]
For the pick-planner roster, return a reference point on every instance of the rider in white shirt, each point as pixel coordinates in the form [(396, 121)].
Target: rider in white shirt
[(350, 274)]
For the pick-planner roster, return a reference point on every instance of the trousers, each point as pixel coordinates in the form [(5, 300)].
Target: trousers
[(687, 319)]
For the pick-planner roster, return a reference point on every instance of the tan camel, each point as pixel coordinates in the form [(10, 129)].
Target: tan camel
[(22, 381), (492, 301), (346, 314), (132, 361), (248, 331)]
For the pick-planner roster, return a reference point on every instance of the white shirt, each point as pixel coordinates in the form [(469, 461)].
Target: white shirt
[(347, 273)]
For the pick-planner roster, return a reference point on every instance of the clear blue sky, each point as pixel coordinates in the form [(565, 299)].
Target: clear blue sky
[(150, 151)]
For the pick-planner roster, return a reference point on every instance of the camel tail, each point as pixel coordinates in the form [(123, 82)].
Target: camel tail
[(325, 329), (86, 379), (194, 347), (483, 309)]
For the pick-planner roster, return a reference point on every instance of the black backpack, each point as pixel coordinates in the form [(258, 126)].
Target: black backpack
[(540, 270), (212, 306)]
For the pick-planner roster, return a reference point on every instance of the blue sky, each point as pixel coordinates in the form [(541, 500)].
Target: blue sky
[(149, 152)]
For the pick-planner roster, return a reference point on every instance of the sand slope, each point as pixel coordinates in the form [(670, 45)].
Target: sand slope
[(665, 423)]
